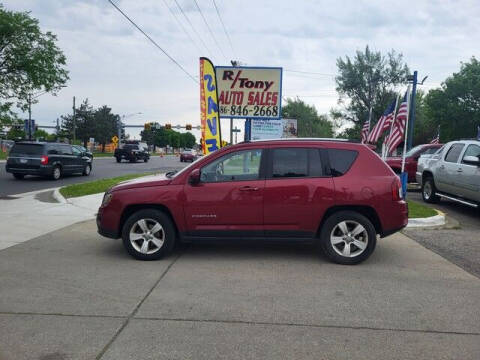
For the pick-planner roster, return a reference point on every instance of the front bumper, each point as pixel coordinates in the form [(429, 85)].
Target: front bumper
[(109, 233)]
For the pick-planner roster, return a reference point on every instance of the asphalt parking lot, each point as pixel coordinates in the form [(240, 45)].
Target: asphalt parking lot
[(71, 294), (459, 244), (102, 168)]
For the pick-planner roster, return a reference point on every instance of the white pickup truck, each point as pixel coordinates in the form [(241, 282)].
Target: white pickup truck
[(453, 172)]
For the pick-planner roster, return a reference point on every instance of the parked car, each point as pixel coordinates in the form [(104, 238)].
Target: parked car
[(47, 159), (303, 190), (411, 159), (188, 155), (452, 173), (132, 152)]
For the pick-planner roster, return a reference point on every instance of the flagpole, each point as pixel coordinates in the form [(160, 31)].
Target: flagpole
[(391, 126), (406, 127)]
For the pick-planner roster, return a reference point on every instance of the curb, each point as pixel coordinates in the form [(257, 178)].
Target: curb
[(437, 220), (59, 197)]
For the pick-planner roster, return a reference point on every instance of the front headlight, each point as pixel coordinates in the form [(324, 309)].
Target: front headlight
[(107, 198)]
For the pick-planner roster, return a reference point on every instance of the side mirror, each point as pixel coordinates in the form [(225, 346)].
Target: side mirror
[(194, 177), (471, 160)]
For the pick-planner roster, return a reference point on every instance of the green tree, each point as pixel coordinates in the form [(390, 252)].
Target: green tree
[(369, 79), (29, 61), (456, 105), (15, 133), (84, 123), (106, 125), (187, 140), (310, 123)]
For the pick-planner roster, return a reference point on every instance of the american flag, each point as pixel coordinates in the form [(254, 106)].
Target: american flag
[(365, 130), (383, 123), (398, 132), (436, 139)]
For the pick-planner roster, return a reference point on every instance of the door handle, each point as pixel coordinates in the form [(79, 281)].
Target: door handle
[(248, 188)]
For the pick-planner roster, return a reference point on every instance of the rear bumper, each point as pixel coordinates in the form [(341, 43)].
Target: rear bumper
[(42, 170), (397, 219)]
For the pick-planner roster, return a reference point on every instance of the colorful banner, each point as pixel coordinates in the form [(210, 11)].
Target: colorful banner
[(249, 92), (210, 119)]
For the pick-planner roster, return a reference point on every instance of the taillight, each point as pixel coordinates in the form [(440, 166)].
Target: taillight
[(396, 189), (44, 160)]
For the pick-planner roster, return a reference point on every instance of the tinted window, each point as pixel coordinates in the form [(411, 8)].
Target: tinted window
[(454, 152), (296, 162), (341, 160), (52, 149), (289, 162), (236, 166), (130, 147), (76, 151), (65, 149), (27, 149), (472, 150)]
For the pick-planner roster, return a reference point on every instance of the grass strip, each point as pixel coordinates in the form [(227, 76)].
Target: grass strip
[(97, 186), (417, 210)]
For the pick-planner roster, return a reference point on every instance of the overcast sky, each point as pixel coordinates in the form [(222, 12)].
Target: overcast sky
[(112, 63)]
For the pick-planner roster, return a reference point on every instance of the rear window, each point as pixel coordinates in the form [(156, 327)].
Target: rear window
[(130, 147), (27, 149), (341, 160)]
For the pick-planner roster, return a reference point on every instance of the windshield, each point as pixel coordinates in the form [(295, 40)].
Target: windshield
[(413, 150)]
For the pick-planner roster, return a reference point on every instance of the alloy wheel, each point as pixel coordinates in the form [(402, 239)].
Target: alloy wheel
[(349, 238), (147, 236)]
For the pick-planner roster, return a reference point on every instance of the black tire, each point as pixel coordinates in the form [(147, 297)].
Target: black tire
[(87, 170), (133, 159), (150, 215), (119, 159), (181, 160), (368, 237), (18, 176), (429, 191), (145, 160), (56, 173)]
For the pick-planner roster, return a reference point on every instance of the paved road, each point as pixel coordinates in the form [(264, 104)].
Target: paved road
[(102, 168), (74, 295), (460, 246)]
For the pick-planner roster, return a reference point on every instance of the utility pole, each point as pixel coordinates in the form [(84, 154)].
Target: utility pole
[(231, 131), (412, 111), (74, 121), (29, 126)]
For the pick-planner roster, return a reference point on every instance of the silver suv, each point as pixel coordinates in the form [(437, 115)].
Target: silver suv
[(453, 172)]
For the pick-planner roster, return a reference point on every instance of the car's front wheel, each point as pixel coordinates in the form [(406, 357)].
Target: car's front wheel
[(119, 159), (348, 237), (148, 234)]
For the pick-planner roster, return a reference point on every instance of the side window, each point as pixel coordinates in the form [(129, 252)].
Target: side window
[(76, 151), (289, 162), (341, 160), (454, 153), (472, 150), (52, 150), (66, 149), (236, 166)]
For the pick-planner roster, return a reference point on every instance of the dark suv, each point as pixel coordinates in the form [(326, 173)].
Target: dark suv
[(47, 159), (337, 194), (132, 152)]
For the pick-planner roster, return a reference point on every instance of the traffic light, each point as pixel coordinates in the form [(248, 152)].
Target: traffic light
[(147, 127), (168, 126), (188, 127)]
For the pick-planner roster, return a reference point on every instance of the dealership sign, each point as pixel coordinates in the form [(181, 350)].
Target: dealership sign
[(249, 92), (263, 129)]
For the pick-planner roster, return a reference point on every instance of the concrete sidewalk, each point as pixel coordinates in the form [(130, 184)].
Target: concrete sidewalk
[(27, 216), (74, 295)]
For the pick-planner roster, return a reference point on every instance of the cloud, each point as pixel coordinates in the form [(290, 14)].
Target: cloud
[(111, 63)]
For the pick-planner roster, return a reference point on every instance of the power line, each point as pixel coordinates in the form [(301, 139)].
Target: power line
[(209, 29), (225, 29), (153, 41), (183, 27), (309, 72), (193, 28)]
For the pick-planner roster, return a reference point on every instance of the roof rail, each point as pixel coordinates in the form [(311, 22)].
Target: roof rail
[(303, 139)]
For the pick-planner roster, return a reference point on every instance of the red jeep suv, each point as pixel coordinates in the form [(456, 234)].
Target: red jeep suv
[(335, 193)]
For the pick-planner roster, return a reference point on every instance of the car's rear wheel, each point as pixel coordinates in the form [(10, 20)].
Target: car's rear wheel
[(87, 170), (148, 234), (119, 159), (429, 191), (18, 176), (56, 173), (348, 237), (145, 160)]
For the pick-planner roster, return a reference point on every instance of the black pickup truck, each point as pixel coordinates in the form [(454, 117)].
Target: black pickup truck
[(132, 153)]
